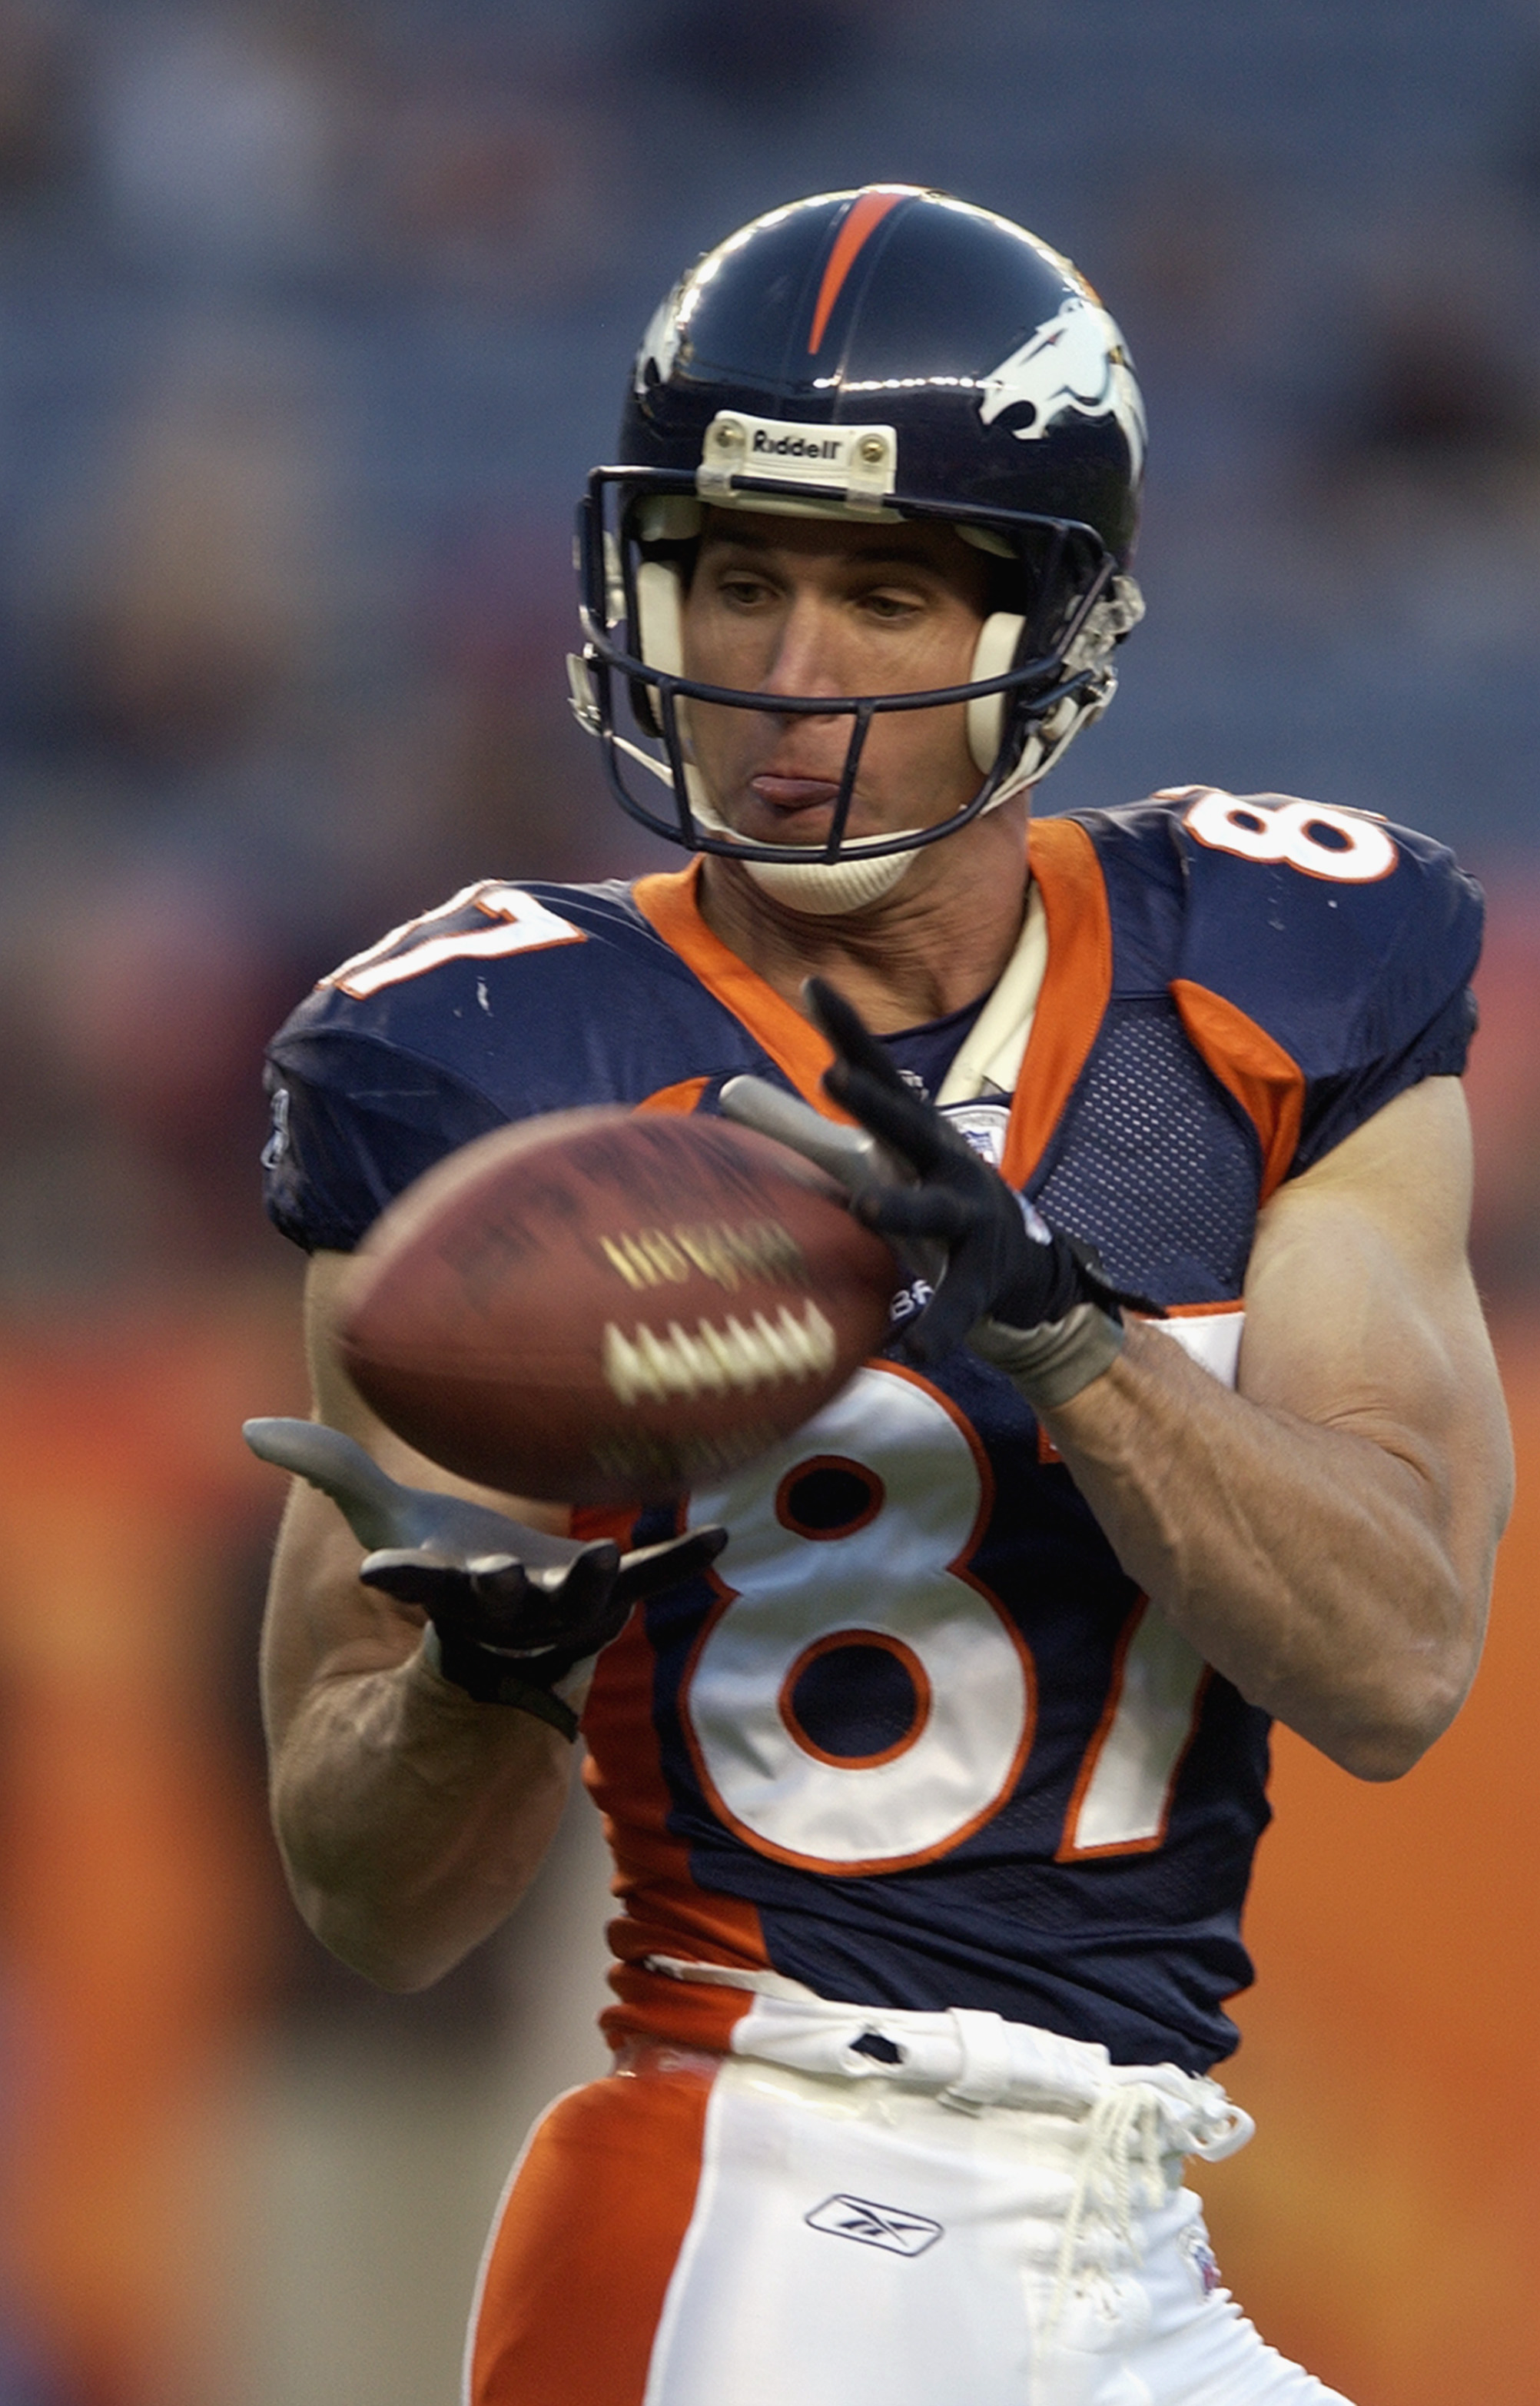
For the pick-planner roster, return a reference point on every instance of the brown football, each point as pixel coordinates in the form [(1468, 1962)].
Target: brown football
[(600, 1307)]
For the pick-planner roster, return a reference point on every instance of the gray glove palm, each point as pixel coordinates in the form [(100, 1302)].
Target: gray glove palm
[(513, 1611)]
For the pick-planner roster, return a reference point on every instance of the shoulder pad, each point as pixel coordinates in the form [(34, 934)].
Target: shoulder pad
[(1341, 935), (543, 996), (1344, 945)]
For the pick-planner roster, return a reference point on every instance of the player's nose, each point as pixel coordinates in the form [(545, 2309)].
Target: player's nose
[(805, 659)]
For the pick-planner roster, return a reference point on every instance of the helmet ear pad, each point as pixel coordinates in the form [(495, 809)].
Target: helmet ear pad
[(660, 590), (993, 654)]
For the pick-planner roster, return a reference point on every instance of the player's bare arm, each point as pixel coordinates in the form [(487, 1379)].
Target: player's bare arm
[(1326, 1537), (411, 1819)]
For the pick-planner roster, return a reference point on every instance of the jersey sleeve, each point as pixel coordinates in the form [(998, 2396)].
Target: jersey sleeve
[(1338, 1103), (1344, 947), (354, 1122), (505, 1003)]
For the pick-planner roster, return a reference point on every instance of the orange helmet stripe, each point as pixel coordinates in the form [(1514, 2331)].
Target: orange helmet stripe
[(865, 217)]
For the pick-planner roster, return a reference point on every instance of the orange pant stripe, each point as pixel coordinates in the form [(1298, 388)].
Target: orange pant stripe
[(581, 2258)]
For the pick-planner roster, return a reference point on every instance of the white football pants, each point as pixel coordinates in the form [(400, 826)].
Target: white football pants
[(874, 2224)]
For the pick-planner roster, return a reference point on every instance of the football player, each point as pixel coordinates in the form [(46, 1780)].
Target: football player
[(933, 1786)]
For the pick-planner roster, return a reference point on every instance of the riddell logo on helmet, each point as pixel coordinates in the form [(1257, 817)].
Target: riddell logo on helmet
[(861, 460), (798, 446)]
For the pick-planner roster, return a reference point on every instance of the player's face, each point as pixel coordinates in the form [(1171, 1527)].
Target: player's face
[(783, 605)]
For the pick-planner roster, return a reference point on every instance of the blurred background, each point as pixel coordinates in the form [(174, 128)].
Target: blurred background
[(313, 315)]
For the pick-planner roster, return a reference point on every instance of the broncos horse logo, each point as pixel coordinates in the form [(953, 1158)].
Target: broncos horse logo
[(1077, 360)]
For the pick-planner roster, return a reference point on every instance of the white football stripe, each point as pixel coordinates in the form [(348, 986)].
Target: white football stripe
[(651, 1368)]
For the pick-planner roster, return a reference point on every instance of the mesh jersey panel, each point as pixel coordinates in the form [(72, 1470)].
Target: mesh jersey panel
[(1154, 1163)]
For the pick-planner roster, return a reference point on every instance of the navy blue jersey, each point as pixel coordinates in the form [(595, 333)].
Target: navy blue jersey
[(916, 1740)]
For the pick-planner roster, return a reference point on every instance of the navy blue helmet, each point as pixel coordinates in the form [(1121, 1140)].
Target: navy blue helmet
[(887, 353)]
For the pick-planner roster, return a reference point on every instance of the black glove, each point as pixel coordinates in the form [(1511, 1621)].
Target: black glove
[(1003, 1262), (513, 1610)]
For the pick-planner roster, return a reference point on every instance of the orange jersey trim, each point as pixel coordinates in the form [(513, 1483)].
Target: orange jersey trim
[(864, 219), (664, 1912), (682, 1097), (580, 2265), (1266, 1081), (1077, 988), (670, 902), (1197, 1310)]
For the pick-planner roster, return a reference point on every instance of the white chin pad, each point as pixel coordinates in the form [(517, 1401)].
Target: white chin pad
[(828, 888), (820, 887), (993, 655)]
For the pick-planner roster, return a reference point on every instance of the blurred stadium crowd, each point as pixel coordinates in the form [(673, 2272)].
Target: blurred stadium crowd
[(312, 314)]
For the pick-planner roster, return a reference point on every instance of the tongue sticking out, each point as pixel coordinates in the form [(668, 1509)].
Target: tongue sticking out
[(794, 793)]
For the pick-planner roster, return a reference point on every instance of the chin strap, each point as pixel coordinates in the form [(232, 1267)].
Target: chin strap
[(825, 888)]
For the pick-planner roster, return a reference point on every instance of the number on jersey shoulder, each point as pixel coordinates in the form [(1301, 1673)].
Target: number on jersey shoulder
[(513, 921), (1345, 847)]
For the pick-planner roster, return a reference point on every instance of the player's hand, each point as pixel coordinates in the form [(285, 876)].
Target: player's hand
[(1002, 1262), (515, 1612)]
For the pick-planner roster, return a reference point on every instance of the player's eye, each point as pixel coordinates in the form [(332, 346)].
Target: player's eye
[(742, 590), (892, 607)]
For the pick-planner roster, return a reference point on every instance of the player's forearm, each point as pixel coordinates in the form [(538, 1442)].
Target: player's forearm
[(1315, 1568), (410, 1820)]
